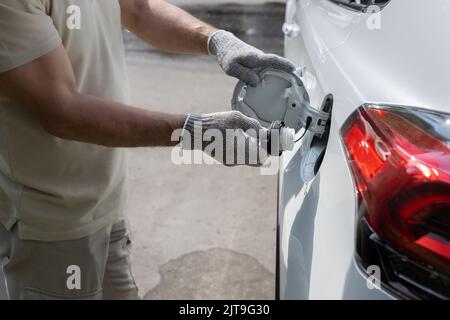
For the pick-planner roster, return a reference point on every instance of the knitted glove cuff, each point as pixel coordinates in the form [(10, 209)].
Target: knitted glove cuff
[(220, 41), (193, 130)]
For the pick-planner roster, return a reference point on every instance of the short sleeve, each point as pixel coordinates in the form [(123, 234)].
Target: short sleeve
[(26, 33)]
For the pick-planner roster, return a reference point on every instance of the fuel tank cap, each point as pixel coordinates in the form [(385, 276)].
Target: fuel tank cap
[(280, 96), (275, 98)]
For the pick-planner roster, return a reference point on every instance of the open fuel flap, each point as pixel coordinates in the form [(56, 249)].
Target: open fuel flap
[(280, 101)]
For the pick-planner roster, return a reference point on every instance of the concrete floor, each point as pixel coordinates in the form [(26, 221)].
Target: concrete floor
[(200, 232)]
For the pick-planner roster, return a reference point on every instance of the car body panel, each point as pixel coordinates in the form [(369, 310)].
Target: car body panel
[(401, 63), (309, 49)]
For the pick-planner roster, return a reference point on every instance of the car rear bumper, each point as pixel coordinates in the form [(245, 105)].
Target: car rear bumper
[(356, 287)]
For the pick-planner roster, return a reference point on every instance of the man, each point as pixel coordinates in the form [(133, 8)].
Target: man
[(64, 123)]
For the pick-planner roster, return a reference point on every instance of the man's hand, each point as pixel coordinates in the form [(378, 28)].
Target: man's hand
[(241, 60), (229, 137)]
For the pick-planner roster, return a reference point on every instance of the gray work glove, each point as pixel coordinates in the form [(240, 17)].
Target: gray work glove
[(241, 60), (231, 138)]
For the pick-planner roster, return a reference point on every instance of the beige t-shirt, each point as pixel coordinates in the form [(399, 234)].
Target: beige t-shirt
[(56, 189)]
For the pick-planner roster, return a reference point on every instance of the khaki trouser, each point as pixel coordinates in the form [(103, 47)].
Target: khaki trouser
[(95, 267)]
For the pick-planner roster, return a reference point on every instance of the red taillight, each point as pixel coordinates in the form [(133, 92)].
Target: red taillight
[(400, 160), (435, 244)]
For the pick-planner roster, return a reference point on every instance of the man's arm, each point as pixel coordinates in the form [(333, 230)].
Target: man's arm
[(171, 29), (166, 26), (47, 88)]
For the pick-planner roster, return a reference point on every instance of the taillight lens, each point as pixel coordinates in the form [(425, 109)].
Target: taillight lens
[(400, 160)]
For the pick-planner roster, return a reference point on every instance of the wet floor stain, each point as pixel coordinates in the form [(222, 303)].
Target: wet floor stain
[(214, 274)]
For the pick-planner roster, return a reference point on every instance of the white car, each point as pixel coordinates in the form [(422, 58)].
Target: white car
[(364, 211)]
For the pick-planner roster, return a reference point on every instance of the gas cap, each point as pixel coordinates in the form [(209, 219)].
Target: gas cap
[(280, 96)]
